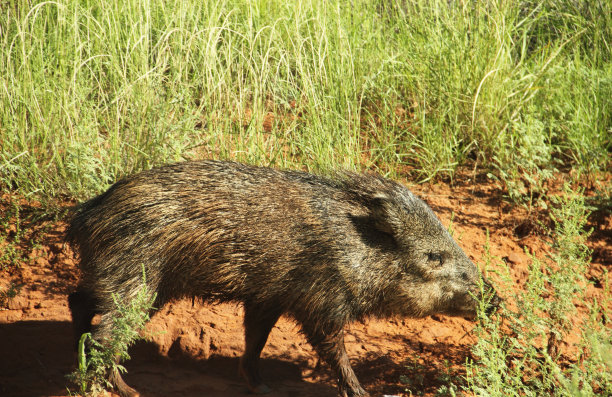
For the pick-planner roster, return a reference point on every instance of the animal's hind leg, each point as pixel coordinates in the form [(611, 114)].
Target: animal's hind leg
[(82, 306), (122, 388), (101, 334), (258, 323)]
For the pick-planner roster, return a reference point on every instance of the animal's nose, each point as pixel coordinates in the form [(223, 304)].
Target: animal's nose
[(494, 300)]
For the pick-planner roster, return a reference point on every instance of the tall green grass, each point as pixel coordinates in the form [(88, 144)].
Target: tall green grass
[(90, 91)]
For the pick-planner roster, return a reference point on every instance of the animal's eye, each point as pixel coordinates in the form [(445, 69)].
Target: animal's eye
[(435, 258)]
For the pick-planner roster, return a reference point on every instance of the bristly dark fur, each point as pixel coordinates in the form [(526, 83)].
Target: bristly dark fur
[(324, 250)]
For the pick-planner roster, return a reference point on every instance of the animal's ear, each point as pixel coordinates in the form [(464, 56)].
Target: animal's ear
[(385, 215)]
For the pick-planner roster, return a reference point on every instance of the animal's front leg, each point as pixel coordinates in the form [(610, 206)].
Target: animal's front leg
[(330, 347)]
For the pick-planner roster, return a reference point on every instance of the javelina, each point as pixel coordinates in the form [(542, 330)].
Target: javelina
[(325, 251)]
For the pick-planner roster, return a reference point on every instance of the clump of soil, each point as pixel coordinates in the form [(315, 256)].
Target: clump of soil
[(193, 348)]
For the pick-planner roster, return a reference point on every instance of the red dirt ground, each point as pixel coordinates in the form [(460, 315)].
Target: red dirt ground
[(195, 348)]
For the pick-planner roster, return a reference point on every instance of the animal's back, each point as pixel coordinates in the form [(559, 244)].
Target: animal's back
[(219, 230)]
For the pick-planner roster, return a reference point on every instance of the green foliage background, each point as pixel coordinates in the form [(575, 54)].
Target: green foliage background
[(91, 91)]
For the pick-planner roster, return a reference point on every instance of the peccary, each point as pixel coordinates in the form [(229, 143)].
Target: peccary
[(323, 250)]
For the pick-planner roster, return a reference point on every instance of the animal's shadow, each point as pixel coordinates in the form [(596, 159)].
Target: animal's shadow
[(36, 356)]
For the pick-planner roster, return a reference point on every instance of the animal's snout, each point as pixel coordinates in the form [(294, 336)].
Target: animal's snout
[(493, 299)]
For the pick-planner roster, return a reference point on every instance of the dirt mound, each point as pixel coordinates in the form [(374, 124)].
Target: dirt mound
[(194, 347)]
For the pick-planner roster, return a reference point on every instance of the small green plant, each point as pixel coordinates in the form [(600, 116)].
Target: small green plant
[(519, 352), (96, 360), (11, 232), (8, 293), (449, 382), (416, 378), (22, 228), (571, 259)]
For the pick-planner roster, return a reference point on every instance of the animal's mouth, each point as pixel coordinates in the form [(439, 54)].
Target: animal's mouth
[(465, 311), (492, 300), (469, 312), (470, 316), (493, 304)]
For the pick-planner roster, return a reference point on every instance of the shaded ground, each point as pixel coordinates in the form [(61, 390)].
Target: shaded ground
[(194, 348)]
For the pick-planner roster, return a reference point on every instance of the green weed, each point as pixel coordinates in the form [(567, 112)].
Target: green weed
[(519, 352), (22, 228), (96, 360), (11, 232), (8, 293)]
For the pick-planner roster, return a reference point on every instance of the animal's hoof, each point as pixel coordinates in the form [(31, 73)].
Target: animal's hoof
[(128, 392), (261, 388), (122, 388)]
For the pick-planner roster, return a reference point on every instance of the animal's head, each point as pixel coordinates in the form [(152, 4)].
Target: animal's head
[(431, 273)]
